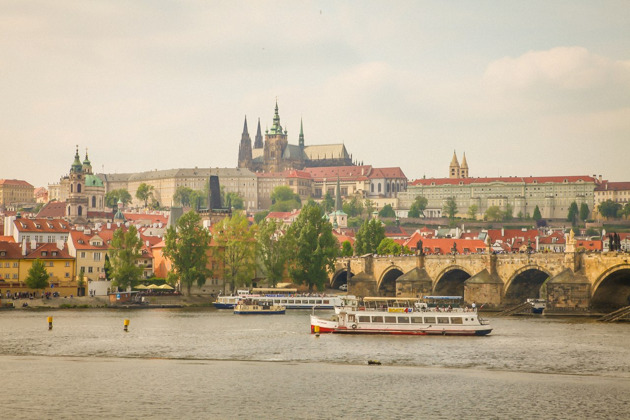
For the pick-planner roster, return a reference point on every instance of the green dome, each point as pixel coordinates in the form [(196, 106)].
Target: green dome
[(93, 181)]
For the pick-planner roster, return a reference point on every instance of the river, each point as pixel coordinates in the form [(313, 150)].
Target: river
[(206, 363)]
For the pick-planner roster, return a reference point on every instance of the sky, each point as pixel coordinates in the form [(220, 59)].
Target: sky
[(523, 88)]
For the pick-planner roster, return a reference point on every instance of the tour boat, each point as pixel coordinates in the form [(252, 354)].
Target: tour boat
[(538, 305), (249, 306), (400, 316), (289, 298)]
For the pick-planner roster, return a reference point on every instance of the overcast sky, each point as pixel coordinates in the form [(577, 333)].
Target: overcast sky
[(522, 87)]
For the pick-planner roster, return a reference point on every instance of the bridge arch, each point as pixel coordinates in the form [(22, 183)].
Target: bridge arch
[(340, 277), (611, 290), (450, 282), (386, 286), (525, 283)]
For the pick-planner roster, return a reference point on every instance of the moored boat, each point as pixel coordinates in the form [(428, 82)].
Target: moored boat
[(538, 305), (400, 317), (289, 298), (249, 306)]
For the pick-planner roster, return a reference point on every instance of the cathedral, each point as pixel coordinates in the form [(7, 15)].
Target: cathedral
[(457, 171), (275, 154)]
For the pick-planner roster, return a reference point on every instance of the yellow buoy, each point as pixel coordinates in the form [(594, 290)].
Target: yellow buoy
[(49, 319), (126, 324)]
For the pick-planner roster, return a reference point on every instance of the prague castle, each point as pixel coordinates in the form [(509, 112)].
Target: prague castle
[(275, 154)]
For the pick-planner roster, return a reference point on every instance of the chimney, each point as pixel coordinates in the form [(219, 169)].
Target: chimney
[(109, 225), (33, 244), (502, 231), (60, 244), (24, 248)]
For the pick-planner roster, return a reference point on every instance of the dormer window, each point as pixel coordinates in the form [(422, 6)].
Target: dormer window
[(44, 253), (54, 253)]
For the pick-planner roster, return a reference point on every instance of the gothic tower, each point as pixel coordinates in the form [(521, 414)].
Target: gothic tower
[(275, 143), (245, 149), (463, 170), (258, 140), (454, 168), (301, 141)]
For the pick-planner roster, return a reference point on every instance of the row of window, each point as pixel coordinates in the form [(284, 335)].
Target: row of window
[(15, 275), (391, 319)]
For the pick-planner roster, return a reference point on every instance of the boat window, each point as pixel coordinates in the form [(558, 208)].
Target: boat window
[(403, 320), (364, 318), (326, 301), (390, 319), (318, 301), (416, 320), (283, 301), (442, 320), (377, 319), (456, 320), (429, 320)]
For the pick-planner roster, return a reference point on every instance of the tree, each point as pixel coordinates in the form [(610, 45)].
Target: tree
[(572, 216), (353, 207), (125, 250), (112, 198), (450, 208), (284, 199), (182, 195), (237, 249), (369, 236), (609, 209), (107, 268), (272, 250), (260, 216), (37, 277), (328, 203), (186, 246), (494, 214), (508, 213), (234, 200), (472, 211), (197, 199), (389, 247), (625, 211), (584, 212), (418, 207), (369, 207), (536, 216), (387, 211), (144, 193), (314, 248), (346, 249)]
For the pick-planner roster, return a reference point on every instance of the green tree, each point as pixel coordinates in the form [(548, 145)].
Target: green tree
[(494, 214), (182, 195), (126, 250), (472, 211), (112, 197), (284, 199), (609, 209), (37, 277), (572, 216), (418, 206), (508, 213), (369, 207), (186, 246), (584, 212), (144, 193), (197, 199), (260, 216), (625, 211), (346, 249), (314, 248), (272, 250), (387, 211), (353, 207), (107, 268), (237, 249), (450, 208), (389, 247), (369, 236), (536, 216), (328, 203), (234, 200)]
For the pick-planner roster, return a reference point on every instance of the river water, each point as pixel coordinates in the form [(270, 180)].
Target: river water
[(206, 363)]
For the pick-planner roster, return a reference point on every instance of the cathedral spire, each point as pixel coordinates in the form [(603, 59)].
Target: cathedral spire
[(276, 128), (338, 202), (301, 141), (258, 141), (245, 149), (463, 169), (76, 165), (454, 168)]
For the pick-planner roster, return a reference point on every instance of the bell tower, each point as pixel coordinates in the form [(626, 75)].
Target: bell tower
[(77, 202)]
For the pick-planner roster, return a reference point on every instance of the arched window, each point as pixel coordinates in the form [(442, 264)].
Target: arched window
[(93, 201), (371, 187), (379, 187), (71, 188), (78, 188), (68, 211), (80, 212)]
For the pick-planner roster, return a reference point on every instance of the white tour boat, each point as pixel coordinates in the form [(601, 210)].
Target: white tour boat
[(289, 298), (252, 306), (401, 316)]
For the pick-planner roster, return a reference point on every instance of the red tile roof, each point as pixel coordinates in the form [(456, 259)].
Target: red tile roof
[(444, 245), (51, 250), (150, 218), (595, 245), (613, 186), (41, 225), (15, 182), (10, 249), (54, 209)]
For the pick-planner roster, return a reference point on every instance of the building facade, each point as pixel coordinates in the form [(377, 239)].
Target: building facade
[(14, 192)]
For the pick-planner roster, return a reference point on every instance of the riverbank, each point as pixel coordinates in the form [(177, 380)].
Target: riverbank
[(89, 302)]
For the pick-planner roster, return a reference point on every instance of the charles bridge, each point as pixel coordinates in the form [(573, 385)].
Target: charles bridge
[(569, 281)]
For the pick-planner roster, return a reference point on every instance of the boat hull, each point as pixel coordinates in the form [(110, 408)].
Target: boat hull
[(253, 312)]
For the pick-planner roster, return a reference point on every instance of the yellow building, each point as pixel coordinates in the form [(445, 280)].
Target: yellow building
[(14, 192)]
